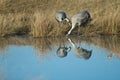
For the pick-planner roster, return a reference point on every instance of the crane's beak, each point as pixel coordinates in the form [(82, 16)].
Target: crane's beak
[(67, 19)]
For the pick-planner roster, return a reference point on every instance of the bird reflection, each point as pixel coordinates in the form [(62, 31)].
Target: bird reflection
[(63, 50), (109, 55), (79, 51)]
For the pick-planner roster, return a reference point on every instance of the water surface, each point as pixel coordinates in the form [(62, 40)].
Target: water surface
[(24, 58)]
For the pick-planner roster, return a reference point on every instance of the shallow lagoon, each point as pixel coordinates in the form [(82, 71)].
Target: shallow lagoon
[(23, 58)]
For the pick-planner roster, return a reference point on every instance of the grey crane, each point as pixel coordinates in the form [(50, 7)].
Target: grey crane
[(79, 19), (79, 51), (61, 17)]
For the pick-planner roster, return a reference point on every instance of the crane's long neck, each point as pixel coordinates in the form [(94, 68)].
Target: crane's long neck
[(72, 43), (73, 26)]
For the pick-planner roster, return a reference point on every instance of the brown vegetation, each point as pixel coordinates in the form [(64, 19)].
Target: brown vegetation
[(36, 17)]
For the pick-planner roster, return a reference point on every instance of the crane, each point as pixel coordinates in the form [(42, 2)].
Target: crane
[(61, 17), (79, 19)]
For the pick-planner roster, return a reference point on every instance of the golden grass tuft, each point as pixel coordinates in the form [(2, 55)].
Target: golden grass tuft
[(13, 23), (41, 25)]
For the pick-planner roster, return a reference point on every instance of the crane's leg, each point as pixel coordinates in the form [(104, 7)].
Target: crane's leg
[(79, 24), (78, 30)]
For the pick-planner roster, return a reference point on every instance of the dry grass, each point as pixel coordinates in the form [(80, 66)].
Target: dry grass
[(36, 17), (13, 23)]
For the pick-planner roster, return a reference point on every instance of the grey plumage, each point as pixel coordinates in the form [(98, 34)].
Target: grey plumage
[(79, 19)]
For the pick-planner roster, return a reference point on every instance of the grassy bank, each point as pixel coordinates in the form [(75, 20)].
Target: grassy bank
[(36, 17)]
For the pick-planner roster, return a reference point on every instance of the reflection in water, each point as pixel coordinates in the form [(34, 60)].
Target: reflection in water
[(111, 43), (20, 58), (3, 45), (62, 50), (43, 46), (109, 55), (79, 51)]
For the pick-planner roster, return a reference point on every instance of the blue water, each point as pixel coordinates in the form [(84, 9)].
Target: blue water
[(25, 63)]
